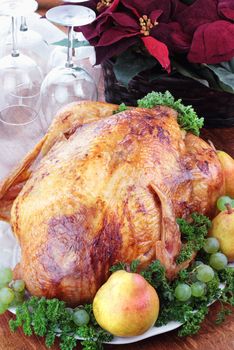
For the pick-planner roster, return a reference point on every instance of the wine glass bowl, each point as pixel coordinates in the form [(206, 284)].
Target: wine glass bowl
[(20, 130), (64, 85), (21, 79)]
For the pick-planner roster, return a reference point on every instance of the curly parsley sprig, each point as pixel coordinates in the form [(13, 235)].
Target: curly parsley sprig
[(50, 318), (187, 117), (194, 232)]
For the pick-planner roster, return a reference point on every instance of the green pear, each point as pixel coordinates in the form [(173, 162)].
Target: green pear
[(223, 229), (227, 163), (126, 305)]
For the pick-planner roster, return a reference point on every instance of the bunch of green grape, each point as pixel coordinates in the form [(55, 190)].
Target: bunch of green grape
[(202, 273), (11, 292), (223, 201)]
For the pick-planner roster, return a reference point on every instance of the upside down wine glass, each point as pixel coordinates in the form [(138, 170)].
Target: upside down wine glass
[(20, 127), (68, 83)]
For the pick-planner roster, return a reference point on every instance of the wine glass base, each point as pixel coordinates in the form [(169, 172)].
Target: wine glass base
[(71, 15), (16, 8)]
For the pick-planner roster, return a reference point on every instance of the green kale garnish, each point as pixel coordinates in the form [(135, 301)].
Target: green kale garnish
[(221, 315), (187, 117), (193, 321), (122, 107), (132, 267), (194, 232), (156, 276), (118, 266), (49, 318)]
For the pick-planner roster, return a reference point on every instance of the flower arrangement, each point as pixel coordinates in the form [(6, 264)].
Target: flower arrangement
[(192, 37)]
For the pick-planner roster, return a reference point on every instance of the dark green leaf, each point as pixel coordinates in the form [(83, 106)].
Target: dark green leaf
[(129, 64), (189, 71), (224, 74), (75, 44)]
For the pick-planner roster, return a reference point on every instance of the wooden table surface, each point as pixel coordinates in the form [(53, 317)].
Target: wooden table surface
[(210, 337)]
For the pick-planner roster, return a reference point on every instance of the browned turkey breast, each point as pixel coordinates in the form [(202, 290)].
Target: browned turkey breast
[(103, 188)]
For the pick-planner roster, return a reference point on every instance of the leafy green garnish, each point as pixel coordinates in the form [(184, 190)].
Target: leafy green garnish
[(122, 107), (194, 233), (221, 315), (155, 274), (118, 266), (187, 117), (49, 318)]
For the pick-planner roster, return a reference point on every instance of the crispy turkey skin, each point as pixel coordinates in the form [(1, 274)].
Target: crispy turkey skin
[(105, 188)]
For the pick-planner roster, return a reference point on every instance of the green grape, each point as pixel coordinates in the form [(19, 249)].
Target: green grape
[(198, 263), (222, 201), (183, 292), (6, 276), (205, 273), (3, 308), (18, 300), (218, 261), (6, 295), (18, 285), (198, 289), (232, 204), (211, 245), (81, 317)]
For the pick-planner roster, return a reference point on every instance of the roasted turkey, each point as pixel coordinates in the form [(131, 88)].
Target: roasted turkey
[(102, 188)]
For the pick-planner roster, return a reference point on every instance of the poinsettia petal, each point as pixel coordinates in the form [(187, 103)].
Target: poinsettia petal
[(113, 35), (125, 20), (145, 7), (159, 50), (226, 8), (105, 52), (154, 16), (200, 12), (176, 8), (173, 36), (212, 43)]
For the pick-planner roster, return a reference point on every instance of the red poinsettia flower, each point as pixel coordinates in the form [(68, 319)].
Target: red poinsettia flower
[(126, 22), (210, 24), (226, 9)]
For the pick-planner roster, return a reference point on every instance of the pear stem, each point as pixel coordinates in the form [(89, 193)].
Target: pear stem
[(128, 269), (229, 208)]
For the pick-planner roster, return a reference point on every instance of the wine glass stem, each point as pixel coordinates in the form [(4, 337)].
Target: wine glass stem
[(23, 25), (69, 62), (14, 52)]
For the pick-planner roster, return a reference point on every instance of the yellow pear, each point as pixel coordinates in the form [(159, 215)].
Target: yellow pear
[(223, 229), (227, 163), (126, 305)]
